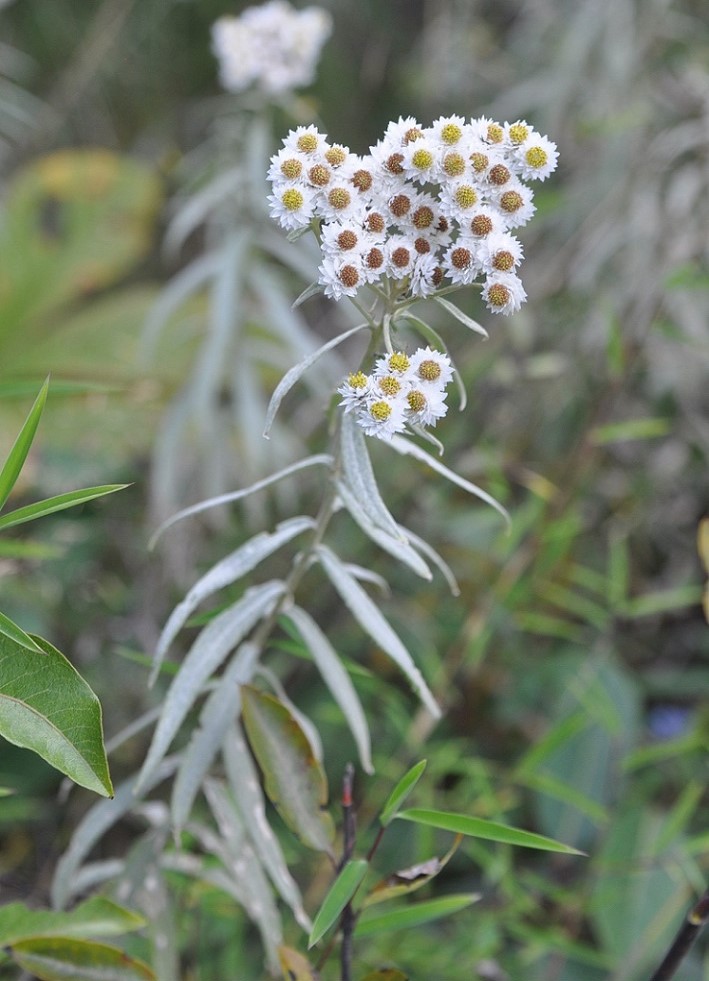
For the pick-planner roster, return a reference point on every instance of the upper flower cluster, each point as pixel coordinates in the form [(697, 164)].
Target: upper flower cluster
[(274, 46), (401, 391), (428, 206)]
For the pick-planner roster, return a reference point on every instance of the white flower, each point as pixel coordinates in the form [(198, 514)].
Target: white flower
[(426, 405), (306, 140), (448, 132), (400, 253), (355, 390), (500, 252), (536, 158), (459, 198), (383, 416), (430, 368), (503, 293), (291, 206), (420, 161), (340, 201), (346, 238), (461, 263), (515, 204), (341, 276), (485, 221), (426, 275)]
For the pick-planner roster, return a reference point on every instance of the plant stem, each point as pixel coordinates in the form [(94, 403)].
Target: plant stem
[(347, 919), (689, 931)]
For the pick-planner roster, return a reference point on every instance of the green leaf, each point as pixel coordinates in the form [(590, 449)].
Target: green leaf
[(617, 432), (415, 914), (460, 316), (401, 792), (58, 503), (340, 893), (68, 959), (97, 917), (17, 634), (18, 454), (294, 966), (409, 880), (294, 780), (464, 824), (46, 706)]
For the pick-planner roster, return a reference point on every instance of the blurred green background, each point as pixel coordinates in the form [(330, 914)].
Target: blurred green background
[(574, 665)]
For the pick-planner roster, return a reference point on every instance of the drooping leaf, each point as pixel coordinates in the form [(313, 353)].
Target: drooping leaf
[(221, 635), (409, 880), (294, 966), (406, 448), (461, 317), (58, 503), (338, 896), (375, 625), (228, 571), (464, 824), (337, 680), (415, 914), (21, 447), (46, 706), (16, 634), (291, 377), (401, 791), (69, 959), (294, 781), (96, 917)]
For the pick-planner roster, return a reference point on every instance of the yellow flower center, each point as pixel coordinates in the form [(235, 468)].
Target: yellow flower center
[(536, 157), (380, 411), (498, 295), (416, 400), (518, 133), (450, 133), (399, 362), (422, 159), (430, 370), (291, 169), (389, 385), (292, 199), (357, 380), (307, 143), (503, 260), (339, 198), (466, 196), (454, 164)]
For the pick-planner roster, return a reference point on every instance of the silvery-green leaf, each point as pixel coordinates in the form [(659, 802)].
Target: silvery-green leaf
[(461, 317), (406, 448), (367, 575), (309, 729), (224, 573), (217, 715), (435, 340), (221, 635), (198, 207), (428, 436), (436, 558), (398, 547), (309, 291), (318, 459), (275, 300), (249, 802), (373, 623), (359, 476), (95, 823), (178, 290), (304, 260), (292, 376), (337, 680)]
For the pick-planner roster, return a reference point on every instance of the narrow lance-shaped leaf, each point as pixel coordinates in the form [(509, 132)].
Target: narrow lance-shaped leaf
[(340, 893), (58, 503), (294, 780), (221, 635), (292, 376), (406, 448), (374, 624), (46, 706), (475, 827), (337, 680), (409, 880), (228, 571), (70, 959), (412, 915), (294, 966), (461, 317), (401, 791), (16, 634), (96, 917), (18, 454)]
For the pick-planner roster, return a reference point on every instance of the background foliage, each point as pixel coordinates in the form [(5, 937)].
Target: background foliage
[(573, 667)]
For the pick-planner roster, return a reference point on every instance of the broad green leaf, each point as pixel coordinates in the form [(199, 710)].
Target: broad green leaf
[(18, 454), (17, 634), (406, 448), (292, 376), (339, 894), (464, 824), (294, 780), (58, 503), (46, 706), (69, 959), (371, 620), (386, 974), (401, 791), (460, 316), (210, 649), (415, 914), (409, 880), (294, 966), (337, 680), (97, 917), (319, 459)]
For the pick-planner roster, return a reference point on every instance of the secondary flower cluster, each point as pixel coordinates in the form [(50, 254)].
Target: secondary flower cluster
[(428, 206), (401, 391), (274, 46)]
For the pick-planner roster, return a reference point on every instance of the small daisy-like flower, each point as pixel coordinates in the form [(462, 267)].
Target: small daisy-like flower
[(461, 263), (517, 133), (431, 368), (425, 408), (420, 161), (337, 156), (503, 293), (485, 221), (382, 416), (341, 276), (287, 166), (397, 363), (448, 131), (459, 198), (355, 390), (400, 254), (426, 275), (373, 264), (344, 238), (516, 205), (388, 161), (488, 130), (500, 252), (292, 207), (453, 165), (405, 130), (340, 202), (536, 158), (307, 140)]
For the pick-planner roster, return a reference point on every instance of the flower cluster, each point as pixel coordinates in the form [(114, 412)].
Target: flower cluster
[(428, 207), (401, 391), (274, 46)]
